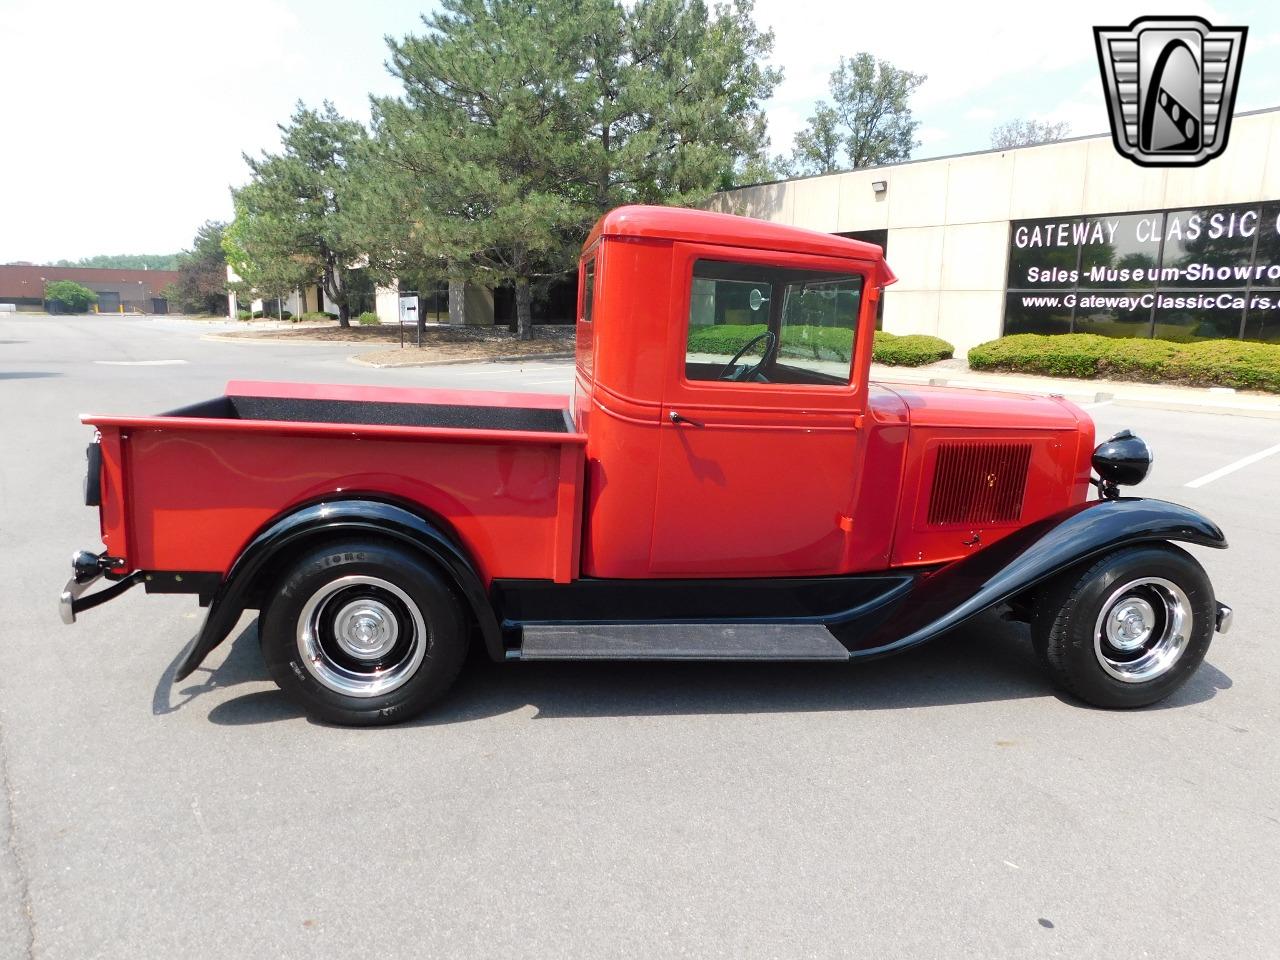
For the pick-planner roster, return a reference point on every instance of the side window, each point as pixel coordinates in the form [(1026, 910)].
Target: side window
[(751, 323), (588, 288)]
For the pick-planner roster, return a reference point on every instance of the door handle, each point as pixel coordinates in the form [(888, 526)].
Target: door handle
[(677, 419)]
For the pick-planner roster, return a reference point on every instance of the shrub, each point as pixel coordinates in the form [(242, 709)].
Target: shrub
[(368, 319), (723, 338), (911, 350), (1077, 355), (69, 295), (1223, 363), (318, 316), (822, 343), (243, 315)]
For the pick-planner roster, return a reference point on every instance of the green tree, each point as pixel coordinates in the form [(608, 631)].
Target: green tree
[(125, 261), (289, 219), (488, 103), (272, 278), (74, 297), (1027, 133), (869, 117), (520, 123), (671, 95), (818, 145), (201, 286)]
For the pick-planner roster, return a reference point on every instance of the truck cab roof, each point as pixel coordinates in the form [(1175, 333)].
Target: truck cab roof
[(703, 226)]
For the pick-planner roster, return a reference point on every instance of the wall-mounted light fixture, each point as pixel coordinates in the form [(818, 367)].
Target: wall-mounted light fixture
[(880, 186)]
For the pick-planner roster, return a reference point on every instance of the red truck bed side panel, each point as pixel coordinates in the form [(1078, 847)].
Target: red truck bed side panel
[(196, 497)]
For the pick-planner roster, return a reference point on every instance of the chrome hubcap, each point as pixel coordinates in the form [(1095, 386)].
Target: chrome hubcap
[(1142, 630), (366, 629), (1130, 624), (361, 636)]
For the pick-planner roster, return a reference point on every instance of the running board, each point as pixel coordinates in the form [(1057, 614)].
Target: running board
[(681, 641)]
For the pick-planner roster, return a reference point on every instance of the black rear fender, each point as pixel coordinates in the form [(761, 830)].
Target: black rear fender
[(254, 572)]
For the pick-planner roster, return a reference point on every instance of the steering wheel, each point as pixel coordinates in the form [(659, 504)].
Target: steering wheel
[(728, 373)]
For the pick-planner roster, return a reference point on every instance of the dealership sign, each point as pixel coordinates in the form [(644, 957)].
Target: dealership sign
[(1185, 274)]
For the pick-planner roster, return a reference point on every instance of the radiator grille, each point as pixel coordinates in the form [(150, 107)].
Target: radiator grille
[(976, 482)]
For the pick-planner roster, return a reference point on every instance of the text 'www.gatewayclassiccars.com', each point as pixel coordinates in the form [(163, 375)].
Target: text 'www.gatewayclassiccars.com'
[(1145, 301)]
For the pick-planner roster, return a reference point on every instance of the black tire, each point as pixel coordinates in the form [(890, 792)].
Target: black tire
[(1081, 615), (370, 593)]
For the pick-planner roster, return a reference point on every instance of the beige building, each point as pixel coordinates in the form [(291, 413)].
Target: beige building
[(1060, 237)]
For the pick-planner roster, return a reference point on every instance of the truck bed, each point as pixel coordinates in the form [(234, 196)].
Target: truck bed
[(503, 472), (377, 412), (306, 403)]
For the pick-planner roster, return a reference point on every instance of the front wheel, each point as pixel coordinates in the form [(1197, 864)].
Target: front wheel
[(363, 633), (1128, 630)]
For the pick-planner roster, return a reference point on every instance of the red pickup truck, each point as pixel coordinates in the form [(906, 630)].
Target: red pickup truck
[(724, 483)]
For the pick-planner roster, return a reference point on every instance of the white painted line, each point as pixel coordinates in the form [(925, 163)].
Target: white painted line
[(1094, 406), (139, 363), (543, 383), (1233, 467)]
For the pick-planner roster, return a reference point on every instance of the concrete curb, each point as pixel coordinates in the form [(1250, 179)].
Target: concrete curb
[(272, 341), (514, 358)]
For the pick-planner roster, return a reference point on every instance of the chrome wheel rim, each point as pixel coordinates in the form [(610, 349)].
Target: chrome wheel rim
[(361, 636), (1142, 630)]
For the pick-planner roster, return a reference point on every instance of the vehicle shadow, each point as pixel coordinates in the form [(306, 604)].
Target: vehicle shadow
[(27, 375), (987, 660)]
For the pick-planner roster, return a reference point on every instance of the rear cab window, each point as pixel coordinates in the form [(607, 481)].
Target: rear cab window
[(588, 289), (758, 324)]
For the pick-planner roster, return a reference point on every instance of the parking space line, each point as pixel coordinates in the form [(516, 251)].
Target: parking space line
[(1234, 466)]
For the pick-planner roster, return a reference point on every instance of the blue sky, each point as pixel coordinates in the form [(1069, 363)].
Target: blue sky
[(126, 135)]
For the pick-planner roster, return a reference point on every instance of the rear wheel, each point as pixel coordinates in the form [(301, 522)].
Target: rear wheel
[(363, 633), (1128, 630)]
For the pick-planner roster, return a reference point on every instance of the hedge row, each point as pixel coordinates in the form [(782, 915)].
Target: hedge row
[(822, 343), (910, 350), (1218, 363)]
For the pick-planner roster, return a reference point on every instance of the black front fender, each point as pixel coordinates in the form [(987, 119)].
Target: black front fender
[(1030, 556), (325, 521)]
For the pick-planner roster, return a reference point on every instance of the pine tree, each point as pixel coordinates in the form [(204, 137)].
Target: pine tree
[(289, 221)]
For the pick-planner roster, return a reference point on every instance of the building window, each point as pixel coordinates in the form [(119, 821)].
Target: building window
[(1193, 274)]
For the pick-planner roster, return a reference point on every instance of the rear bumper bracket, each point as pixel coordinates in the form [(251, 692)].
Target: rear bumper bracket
[(87, 569)]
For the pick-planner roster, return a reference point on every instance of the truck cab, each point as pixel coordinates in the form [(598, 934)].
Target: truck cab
[(725, 482), (722, 382)]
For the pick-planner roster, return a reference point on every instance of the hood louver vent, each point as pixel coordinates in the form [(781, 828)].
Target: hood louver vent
[(978, 482)]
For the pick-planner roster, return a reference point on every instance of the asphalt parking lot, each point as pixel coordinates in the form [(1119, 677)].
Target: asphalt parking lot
[(945, 803)]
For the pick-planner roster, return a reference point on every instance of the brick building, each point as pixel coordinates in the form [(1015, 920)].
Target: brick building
[(119, 291)]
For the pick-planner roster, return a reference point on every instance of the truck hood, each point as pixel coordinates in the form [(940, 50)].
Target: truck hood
[(988, 409)]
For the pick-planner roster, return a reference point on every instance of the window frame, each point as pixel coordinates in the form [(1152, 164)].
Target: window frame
[(782, 397), (587, 285), (778, 290)]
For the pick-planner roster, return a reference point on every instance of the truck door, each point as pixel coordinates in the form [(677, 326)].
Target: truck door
[(759, 438)]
